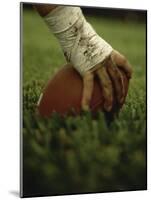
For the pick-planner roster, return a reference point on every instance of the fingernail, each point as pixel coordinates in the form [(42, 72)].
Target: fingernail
[(85, 108), (121, 100), (108, 107)]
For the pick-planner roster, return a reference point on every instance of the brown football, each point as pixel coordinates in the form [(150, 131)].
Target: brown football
[(63, 94)]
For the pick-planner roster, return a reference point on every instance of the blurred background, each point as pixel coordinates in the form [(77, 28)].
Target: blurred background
[(116, 13)]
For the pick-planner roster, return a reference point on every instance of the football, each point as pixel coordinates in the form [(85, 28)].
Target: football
[(63, 93)]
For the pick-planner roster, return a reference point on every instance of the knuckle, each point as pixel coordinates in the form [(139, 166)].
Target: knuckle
[(131, 70), (108, 85), (124, 59)]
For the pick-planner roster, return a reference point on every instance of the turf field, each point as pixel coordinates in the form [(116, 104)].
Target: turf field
[(81, 154)]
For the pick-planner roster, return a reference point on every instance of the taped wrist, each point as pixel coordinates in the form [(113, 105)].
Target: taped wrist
[(81, 45)]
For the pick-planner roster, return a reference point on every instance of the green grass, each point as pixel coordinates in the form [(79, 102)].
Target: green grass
[(81, 154)]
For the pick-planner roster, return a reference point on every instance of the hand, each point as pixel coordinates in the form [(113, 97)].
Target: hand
[(110, 79)]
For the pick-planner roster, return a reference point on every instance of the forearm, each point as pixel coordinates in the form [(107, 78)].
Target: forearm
[(81, 45)]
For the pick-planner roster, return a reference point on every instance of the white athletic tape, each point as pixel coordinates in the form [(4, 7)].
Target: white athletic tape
[(81, 45)]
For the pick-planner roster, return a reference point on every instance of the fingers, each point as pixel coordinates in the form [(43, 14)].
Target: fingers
[(122, 62), (111, 79), (117, 80), (87, 90), (107, 89)]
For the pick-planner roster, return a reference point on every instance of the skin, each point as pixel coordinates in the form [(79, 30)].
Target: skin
[(108, 73), (44, 9)]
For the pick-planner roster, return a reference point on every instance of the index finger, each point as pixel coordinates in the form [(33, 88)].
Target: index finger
[(87, 90)]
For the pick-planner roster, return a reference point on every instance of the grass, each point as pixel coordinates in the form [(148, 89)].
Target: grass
[(81, 154)]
